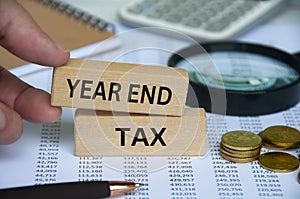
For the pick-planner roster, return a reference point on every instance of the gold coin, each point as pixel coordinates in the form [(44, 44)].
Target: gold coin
[(239, 154), (278, 162), (241, 140), (284, 136), (239, 160), (268, 145), (271, 146)]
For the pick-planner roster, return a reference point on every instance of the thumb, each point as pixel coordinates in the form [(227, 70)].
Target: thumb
[(11, 125)]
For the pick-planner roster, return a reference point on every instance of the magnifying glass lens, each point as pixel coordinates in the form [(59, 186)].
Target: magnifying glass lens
[(243, 78), (239, 71)]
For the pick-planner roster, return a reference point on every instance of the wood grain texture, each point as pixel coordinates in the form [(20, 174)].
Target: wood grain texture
[(123, 87), (99, 133)]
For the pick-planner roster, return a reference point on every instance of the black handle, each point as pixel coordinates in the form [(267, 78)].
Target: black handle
[(73, 190), (297, 55)]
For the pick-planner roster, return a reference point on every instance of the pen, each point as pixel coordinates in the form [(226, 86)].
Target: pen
[(70, 190)]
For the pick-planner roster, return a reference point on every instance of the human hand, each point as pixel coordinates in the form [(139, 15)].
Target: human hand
[(20, 35)]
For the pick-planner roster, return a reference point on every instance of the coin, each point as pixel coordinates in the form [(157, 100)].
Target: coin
[(297, 146), (268, 145), (241, 140), (239, 160), (282, 136), (237, 153), (278, 162), (271, 146)]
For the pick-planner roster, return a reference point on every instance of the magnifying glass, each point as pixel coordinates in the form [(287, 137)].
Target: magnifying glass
[(257, 79)]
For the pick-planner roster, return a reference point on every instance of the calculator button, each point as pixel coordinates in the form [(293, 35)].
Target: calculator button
[(217, 26), (194, 22), (223, 17), (172, 17)]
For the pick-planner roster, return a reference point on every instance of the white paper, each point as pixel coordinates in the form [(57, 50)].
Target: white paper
[(45, 152)]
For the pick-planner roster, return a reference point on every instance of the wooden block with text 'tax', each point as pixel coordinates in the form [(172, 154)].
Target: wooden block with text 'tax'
[(113, 86), (103, 133)]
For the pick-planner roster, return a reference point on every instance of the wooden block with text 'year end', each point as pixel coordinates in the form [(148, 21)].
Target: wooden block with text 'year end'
[(103, 133), (123, 87)]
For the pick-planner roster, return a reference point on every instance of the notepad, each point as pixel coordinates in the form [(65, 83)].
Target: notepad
[(69, 26)]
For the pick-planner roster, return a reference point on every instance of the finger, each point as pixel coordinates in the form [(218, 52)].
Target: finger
[(11, 125), (20, 35), (32, 104)]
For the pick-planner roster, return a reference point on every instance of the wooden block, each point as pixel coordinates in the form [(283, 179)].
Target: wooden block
[(103, 133), (121, 87)]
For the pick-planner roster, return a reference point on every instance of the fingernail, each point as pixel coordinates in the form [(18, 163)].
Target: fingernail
[(2, 120)]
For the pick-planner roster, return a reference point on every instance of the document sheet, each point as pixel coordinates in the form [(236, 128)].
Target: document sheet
[(45, 152)]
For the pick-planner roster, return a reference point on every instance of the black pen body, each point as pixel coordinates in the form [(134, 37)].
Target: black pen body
[(72, 190)]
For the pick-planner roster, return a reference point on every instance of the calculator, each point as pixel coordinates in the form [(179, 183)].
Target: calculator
[(203, 20)]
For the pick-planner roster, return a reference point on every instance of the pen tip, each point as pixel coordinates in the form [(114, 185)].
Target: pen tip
[(138, 185), (121, 187)]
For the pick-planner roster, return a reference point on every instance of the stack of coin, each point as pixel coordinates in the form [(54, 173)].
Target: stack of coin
[(280, 137), (240, 146)]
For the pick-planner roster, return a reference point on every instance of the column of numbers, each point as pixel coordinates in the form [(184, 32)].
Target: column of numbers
[(48, 154), (136, 170), (90, 169), (227, 180), (181, 177), (267, 182)]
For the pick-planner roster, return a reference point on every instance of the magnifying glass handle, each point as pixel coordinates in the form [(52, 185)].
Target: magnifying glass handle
[(297, 55)]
